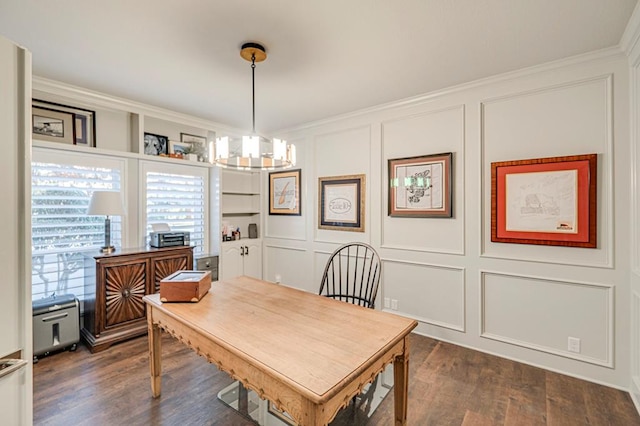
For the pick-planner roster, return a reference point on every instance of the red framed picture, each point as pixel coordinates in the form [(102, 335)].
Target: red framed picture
[(545, 201)]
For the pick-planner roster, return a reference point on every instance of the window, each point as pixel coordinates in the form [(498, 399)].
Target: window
[(176, 195), (62, 184)]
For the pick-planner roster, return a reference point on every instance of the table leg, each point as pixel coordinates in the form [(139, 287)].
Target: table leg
[(155, 352), (243, 399), (401, 385)]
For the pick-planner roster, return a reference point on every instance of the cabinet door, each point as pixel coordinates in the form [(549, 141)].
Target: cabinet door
[(253, 260), (162, 267), (125, 286), (231, 260)]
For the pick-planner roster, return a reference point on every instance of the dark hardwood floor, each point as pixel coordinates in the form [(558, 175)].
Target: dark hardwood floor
[(448, 385)]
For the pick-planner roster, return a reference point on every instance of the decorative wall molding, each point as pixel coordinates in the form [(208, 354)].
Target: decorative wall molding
[(459, 269), (605, 167), (281, 247), (608, 361)]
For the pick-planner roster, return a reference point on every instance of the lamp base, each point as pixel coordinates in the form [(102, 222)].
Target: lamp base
[(109, 249)]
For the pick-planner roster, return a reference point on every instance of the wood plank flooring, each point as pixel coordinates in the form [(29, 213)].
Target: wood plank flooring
[(448, 385)]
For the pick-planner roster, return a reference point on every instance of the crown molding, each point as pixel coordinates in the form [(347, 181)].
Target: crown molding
[(593, 56), (629, 40), (103, 100)]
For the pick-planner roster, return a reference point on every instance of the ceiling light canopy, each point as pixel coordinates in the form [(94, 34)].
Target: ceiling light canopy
[(254, 152)]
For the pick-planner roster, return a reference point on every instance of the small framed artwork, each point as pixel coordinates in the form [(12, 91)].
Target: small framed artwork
[(281, 415), (284, 193), (53, 126), (421, 186), (186, 137), (341, 203), (156, 144), (199, 145), (547, 201), (179, 148), (84, 122)]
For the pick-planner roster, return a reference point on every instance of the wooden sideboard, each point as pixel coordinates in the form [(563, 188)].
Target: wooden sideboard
[(114, 286)]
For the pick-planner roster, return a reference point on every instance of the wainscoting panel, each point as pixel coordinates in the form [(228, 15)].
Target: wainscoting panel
[(345, 152), (542, 314), (287, 263), (433, 132), (567, 119), (291, 227), (431, 294)]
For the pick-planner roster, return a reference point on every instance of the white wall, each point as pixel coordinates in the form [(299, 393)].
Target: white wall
[(517, 301), (631, 42)]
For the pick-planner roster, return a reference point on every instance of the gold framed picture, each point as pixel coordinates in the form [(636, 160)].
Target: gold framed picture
[(284, 193)]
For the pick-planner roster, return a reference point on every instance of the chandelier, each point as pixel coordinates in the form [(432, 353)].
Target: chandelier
[(254, 152)]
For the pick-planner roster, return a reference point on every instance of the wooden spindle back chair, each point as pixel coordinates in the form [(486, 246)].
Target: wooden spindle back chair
[(352, 275)]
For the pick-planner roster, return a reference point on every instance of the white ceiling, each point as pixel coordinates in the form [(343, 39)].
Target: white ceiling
[(324, 57)]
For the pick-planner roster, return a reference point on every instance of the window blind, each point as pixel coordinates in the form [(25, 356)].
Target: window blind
[(179, 201), (61, 229)]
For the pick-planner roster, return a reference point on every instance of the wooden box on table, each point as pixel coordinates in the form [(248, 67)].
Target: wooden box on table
[(185, 286)]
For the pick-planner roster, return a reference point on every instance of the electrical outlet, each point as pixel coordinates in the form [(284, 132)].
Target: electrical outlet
[(387, 303), (394, 304), (574, 345)]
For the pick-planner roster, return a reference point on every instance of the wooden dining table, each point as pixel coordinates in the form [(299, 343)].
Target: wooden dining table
[(307, 354)]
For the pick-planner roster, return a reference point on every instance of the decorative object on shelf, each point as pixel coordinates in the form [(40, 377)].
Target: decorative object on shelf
[(156, 144), (106, 203), (199, 145), (547, 201), (284, 193), (254, 152), (180, 149), (253, 230), (62, 123), (341, 203), (421, 186)]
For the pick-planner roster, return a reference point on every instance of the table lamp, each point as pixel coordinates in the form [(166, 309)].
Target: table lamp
[(106, 203)]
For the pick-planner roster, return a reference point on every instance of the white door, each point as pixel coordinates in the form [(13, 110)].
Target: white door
[(16, 399), (252, 259), (231, 256)]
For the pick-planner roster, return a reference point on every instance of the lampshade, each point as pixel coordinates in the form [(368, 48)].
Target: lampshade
[(254, 151), (105, 203)]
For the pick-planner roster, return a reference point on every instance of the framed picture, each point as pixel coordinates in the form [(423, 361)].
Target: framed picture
[(199, 145), (53, 126), (421, 186), (341, 203), (186, 137), (156, 144), (84, 122), (547, 201), (179, 148), (281, 415), (284, 193)]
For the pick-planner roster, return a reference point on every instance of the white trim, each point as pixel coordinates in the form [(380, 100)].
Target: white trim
[(90, 97), (609, 359), (302, 249), (512, 75), (462, 328), (384, 200), (608, 229), (629, 40)]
